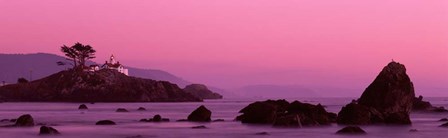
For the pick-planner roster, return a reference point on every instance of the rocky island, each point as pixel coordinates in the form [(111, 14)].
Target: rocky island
[(100, 86), (388, 99), (201, 91)]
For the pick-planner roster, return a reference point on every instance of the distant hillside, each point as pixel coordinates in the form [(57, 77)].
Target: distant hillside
[(40, 65)]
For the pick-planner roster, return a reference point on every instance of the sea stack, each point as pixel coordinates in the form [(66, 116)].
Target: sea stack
[(388, 99)]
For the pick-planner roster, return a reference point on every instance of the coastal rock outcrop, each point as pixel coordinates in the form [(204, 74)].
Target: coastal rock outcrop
[(201, 114), (201, 91), (281, 113), (44, 130), (101, 86), (24, 121), (420, 105), (388, 99)]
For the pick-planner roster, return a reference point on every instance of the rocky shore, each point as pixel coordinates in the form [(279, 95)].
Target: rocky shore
[(101, 86)]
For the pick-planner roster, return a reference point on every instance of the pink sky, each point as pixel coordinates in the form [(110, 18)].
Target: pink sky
[(230, 43)]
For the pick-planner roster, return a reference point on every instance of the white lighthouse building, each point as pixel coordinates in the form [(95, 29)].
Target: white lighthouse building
[(115, 65)]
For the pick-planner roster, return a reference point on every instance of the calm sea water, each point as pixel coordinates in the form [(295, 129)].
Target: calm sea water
[(74, 123)]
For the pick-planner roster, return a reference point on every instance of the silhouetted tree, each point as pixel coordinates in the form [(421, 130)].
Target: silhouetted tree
[(78, 53), (22, 80)]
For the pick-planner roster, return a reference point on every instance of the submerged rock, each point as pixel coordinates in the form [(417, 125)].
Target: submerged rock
[(25, 121), (201, 114), (283, 114), (388, 99), (443, 119), (44, 130), (141, 109), (444, 125), (351, 130), (83, 107), (199, 127), (156, 118), (201, 91), (105, 122), (218, 120), (121, 110), (262, 133)]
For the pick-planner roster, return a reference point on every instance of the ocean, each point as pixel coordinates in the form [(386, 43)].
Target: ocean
[(74, 123)]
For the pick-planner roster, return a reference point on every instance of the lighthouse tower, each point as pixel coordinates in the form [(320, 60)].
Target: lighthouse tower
[(112, 60)]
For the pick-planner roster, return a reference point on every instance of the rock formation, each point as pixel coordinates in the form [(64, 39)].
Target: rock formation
[(201, 114), (285, 114), (44, 130), (388, 99), (201, 91), (100, 86), (25, 121)]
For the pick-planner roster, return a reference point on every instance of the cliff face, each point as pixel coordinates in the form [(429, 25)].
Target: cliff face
[(100, 86), (388, 99), (201, 91)]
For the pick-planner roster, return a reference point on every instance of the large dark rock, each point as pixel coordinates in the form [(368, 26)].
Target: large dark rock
[(388, 99), (351, 130), (201, 91), (201, 114), (101, 86), (284, 114), (105, 122), (25, 121), (44, 130)]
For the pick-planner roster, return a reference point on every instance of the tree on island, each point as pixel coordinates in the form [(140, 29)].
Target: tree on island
[(78, 54)]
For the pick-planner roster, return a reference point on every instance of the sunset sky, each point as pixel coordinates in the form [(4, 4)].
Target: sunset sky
[(232, 43)]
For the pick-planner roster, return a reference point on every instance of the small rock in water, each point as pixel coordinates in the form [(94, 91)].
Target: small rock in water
[(13, 120), (444, 119), (141, 109), (25, 121), (413, 130), (105, 122), (444, 125), (122, 110), (351, 130), (144, 120), (83, 107), (165, 120), (44, 130), (262, 133), (157, 118), (182, 120), (219, 120), (4, 120), (201, 114), (136, 136), (199, 127)]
